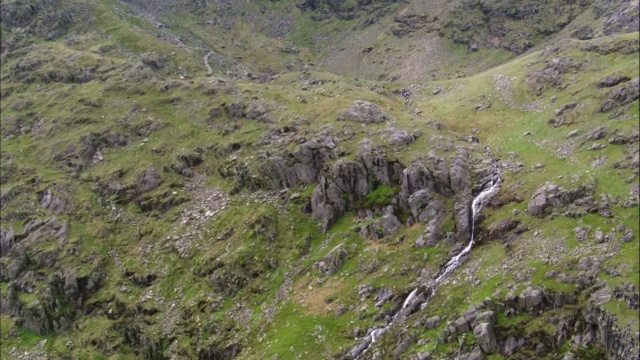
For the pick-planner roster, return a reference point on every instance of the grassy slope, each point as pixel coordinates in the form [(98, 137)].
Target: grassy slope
[(306, 322)]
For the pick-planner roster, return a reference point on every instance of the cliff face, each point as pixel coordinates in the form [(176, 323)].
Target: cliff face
[(289, 179)]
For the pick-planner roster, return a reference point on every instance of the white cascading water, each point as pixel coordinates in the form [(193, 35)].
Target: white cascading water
[(451, 265)]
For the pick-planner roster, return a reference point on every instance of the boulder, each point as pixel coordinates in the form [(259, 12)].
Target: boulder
[(364, 112), (387, 225), (486, 338), (581, 233), (538, 203), (432, 322), (415, 177), (462, 325), (433, 231), (512, 345), (612, 80), (7, 240), (402, 138), (333, 261), (257, 111), (150, 180), (596, 134), (530, 299), (383, 296), (549, 196), (234, 110), (419, 204)]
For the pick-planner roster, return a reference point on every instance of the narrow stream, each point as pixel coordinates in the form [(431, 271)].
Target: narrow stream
[(414, 298)]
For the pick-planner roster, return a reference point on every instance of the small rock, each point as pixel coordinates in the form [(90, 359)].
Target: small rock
[(573, 133), (599, 236), (628, 236)]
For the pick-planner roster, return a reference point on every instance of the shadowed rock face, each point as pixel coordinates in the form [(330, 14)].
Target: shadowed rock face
[(302, 167)]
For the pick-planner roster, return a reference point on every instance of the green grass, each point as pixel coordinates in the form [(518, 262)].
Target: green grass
[(379, 197)]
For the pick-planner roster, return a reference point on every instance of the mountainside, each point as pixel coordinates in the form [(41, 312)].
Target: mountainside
[(319, 179)]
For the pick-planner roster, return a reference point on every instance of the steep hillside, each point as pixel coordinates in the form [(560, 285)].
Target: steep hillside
[(292, 179)]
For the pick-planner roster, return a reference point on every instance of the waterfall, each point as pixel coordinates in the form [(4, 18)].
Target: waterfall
[(450, 266)]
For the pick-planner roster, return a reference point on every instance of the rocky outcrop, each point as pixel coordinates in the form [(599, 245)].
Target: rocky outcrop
[(533, 300), (254, 110), (618, 343), (551, 196), (418, 177), (7, 240), (339, 191), (387, 225), (402, 138), (425, 208), (612, 80), (302, 167), (334, 260), (364, 112), (349, 181), (150, 180), (57, 201), (621, 95)]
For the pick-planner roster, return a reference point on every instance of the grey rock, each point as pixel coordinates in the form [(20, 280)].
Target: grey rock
[(599, 236), (333, 261), (462, 210), (418, 177), (573, 133), (364, 112), (530, 299), (512, 345), (549, 196), (596, 134), (148, 181), (462, 325), (460, 179), (561, 110), (383, 296), (486, 338), (303, 166), (612, 80), (387, 225), (538, 203), (235, 110), (402, 138), (257, 111), (7, 240), (375, 161), (581, 233), (601, 296), (432, 322)]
